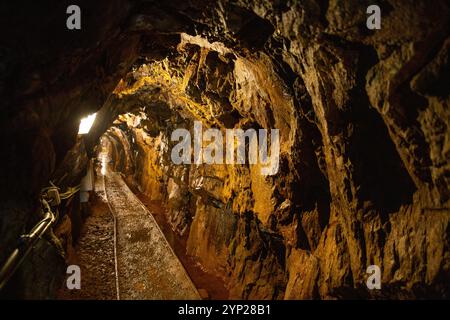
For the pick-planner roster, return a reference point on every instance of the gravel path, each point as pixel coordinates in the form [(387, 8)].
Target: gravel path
[(147, 265), (94, 254)]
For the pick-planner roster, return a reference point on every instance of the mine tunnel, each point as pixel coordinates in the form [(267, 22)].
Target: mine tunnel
[(132, 150)]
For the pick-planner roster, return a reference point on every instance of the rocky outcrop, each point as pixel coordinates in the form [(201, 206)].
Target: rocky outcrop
[(364, 128)]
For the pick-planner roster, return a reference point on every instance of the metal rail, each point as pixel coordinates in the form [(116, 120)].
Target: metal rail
[(50, 196), (115, 240), (27, 242)]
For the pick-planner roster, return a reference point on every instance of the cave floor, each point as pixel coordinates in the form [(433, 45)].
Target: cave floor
[(94, 253), (147, 266)]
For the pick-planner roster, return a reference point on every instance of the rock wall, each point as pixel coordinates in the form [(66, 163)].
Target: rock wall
[(342, 200)]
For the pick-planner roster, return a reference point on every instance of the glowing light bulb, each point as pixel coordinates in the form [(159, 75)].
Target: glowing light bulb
[(86, 124)]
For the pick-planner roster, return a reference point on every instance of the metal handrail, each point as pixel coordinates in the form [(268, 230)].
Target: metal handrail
[(28, 241)]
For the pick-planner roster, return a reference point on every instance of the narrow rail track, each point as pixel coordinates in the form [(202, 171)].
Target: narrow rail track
[(113, 216), (146, 267)]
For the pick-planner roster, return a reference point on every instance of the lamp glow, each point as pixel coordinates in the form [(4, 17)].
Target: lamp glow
[(86, 124)]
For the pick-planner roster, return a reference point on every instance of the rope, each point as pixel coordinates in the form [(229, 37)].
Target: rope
[(70, 192)]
